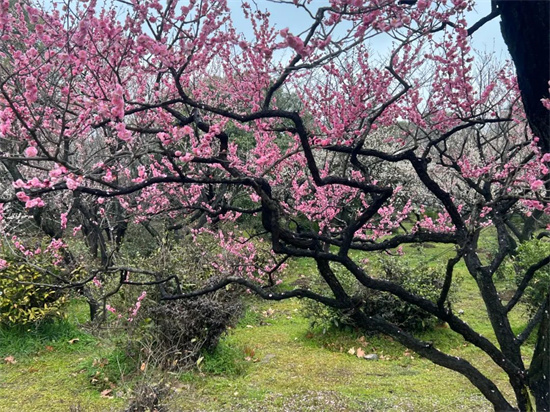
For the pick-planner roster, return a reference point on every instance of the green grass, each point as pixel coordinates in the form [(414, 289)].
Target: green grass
[(293, 360), (49, 366), (108, 368), (224, 360), (272, 360), (295, 365), (28, 340), (46, 375)]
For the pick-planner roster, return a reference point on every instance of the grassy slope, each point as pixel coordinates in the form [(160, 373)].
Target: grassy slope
[(50, 382), (296, 368), (49, 373), (291, 368), (319, 364)]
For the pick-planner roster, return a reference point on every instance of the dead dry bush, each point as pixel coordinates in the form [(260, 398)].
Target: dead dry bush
[(173, 334)]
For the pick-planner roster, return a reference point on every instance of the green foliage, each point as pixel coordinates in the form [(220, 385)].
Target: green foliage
[(324, 316), (513, 271), (223, 360), (138, 243), (188, 258), (420, 279), (169, 257), (23, 300), (24, 340), (172, 335)]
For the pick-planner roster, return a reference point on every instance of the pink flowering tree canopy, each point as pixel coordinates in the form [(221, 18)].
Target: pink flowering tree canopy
[(146, 111)]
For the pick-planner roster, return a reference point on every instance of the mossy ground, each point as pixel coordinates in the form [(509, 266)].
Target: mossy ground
[(271, 361), (294, 368), (43, 370)]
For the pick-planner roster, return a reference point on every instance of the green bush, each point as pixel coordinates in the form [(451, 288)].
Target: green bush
[(512, 271), (22, 300), (420, 279)]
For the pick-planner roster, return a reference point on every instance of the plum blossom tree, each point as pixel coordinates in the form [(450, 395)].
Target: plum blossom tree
[(149, 110)]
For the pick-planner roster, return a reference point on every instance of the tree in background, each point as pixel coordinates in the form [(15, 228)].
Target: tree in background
[(163, 112)]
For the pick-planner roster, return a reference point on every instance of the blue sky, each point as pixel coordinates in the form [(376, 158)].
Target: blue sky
[(487, 39)]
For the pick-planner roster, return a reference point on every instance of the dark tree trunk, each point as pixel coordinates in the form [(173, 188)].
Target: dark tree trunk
[(525, 28), (93, 304), (540, 364)]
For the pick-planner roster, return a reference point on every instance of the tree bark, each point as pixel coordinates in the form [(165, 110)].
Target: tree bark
[(540, 364), (525, 27)]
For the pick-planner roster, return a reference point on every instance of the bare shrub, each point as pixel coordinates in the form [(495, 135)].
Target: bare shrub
[(173, 334), (148, 398)]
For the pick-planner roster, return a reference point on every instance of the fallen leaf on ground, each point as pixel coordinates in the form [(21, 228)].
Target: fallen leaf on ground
[(106, 392), (351, 351), (10, 359), (268, 312), (360, 353), (49, 348), (248, 351)]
